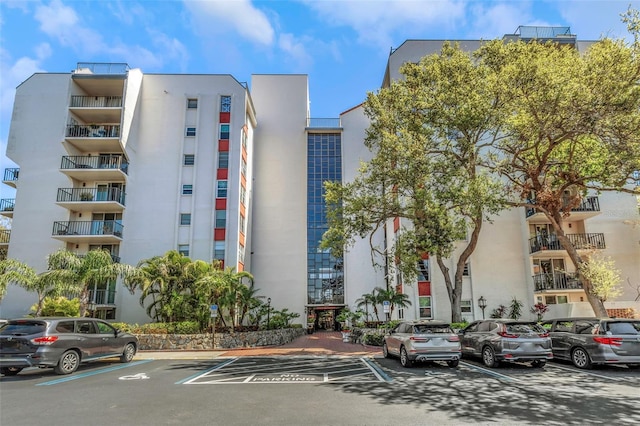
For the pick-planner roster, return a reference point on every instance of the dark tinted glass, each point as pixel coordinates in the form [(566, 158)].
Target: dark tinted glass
[(431, 329), (65, 327), (584, 327), (23, 328), (631, 327), (524, 328)]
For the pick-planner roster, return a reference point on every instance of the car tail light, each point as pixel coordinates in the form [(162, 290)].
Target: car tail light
[(453, 338), (44, 340), (418, 339), (614, 341), (543, 334), (508, 335)]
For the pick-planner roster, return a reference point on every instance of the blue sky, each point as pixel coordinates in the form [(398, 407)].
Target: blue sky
[(343, 45)]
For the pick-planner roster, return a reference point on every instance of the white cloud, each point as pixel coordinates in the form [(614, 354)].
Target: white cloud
[(15, 72), (596, 18), (495, 19), (375, 22), (239, 16), (295, 50)]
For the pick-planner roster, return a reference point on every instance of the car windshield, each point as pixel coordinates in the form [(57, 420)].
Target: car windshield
[(431, 329), (22, 328), (524, 328), (631, 327)]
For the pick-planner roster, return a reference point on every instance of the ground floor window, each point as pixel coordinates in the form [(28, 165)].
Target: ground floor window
[(553, 299), (425, 307), (465, 306)]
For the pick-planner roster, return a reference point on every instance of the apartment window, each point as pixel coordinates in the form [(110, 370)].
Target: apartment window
[(221, 218), (555, 300), (465, 306), (192, 103), (190, 131), (185, 218), (242, 224), (223, 160), (467, 270), (423, 270), (218, 251), (224, 131), (222, 189), (187, 189), (243, 195), (400, 313), (183, 249), (244, 140), (425, 307), (244, 168), (225, 104), (241, 254), (189, 160)]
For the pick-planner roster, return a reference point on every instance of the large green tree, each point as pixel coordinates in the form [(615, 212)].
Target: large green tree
[(430, 135), (573, 126)]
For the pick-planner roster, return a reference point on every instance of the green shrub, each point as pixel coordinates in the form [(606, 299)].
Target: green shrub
[(59, 307), (459, 325), (184, 327), (373, 339)]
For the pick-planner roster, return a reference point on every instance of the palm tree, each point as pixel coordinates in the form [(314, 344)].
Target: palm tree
[(21, 274), (77, 275), (366, 300), (394, 298)]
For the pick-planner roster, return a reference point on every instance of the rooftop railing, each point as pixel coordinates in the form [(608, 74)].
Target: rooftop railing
[(101, 68), (323, 123)]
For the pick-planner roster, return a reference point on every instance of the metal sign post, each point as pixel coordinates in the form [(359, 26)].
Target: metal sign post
[(386, 308), (214, 314)]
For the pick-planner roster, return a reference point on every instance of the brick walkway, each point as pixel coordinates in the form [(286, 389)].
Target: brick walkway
[(318, 343)]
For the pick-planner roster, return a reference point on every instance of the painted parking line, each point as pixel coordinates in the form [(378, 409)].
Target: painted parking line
[(93, 373), (589, 373), (490, 372), (380, 374), (190, 379)]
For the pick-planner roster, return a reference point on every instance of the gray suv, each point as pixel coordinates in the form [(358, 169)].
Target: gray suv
[(498, 340), (588, 341), (60, 343), (414, 341)]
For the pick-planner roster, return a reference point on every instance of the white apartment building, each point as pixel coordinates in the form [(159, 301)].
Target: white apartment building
[(141, 164)]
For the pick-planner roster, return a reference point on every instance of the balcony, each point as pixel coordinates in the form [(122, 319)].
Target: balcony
[(99, 78), (116, 259), (589, 207), (103, 167), (3, 252), (93, 231), (327, 124), (102, 297), (97, 109), (547, 245), (556, 281), (11, 177), (94, 137), (6, 206), (5, 235), (105, 200)]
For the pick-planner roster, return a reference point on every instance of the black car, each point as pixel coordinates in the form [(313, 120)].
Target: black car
[(61, 343)]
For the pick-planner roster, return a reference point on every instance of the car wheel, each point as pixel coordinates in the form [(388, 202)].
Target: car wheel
[(453, 363), (404, 358), (128, 353), (69, 362), (385, 350), (489, 357), (10, 371), (539, 363), (580, 358)]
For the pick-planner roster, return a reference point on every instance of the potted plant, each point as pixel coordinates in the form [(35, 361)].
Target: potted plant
[(86, 196)]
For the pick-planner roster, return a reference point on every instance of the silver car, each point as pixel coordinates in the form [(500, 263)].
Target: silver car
[(588, 341), (422, 341), (60, 343), (503, 340)]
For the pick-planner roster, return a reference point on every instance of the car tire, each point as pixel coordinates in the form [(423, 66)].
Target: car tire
[(539, 363), (385, 350), (128, 353), (453, 363), (68, 363), (10, 371), (404, 358), (489, 357), (580, 358)]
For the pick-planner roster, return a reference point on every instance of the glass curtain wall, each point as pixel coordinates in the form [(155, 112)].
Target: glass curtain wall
[(325, 275)]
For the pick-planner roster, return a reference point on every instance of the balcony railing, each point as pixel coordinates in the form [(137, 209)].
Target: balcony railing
[(102, 161), (102, 297), (101, 68), (589, 204), (579, 241), (5, 235), (11, 174), (66, 195), (116, 259), (323, 123), (7, 204), (557, 281), (89, 227), (96, 102), (93, 131)]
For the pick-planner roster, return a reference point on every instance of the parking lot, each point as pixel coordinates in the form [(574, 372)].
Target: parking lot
[(320, 390)]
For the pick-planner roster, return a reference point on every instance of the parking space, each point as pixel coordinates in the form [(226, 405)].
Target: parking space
[(300, 370)]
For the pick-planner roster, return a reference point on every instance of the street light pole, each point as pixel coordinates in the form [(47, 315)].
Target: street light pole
[(482, 303), (268, 313)]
